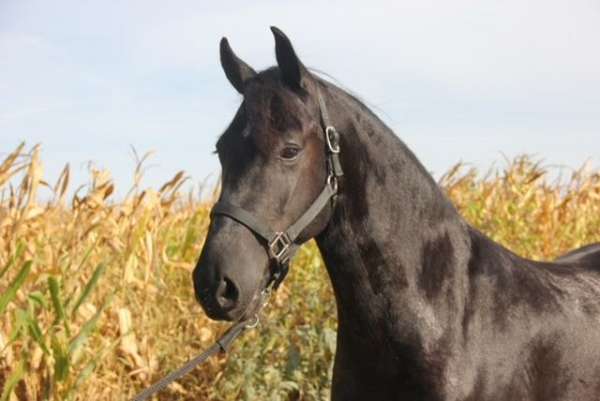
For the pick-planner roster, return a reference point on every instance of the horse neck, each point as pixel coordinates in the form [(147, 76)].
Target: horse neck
[(392, 244)]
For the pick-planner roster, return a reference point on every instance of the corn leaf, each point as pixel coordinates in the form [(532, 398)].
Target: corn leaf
[(18, 253), (36, 333), (57, 304), (38, 298), (86, 330), (89, 287), (12, 381), (61, 360), (14, 286)]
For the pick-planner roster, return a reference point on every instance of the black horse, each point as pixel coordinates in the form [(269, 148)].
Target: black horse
[(428, 307)]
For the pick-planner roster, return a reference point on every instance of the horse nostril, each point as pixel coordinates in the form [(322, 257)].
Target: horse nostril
[(227, 294)]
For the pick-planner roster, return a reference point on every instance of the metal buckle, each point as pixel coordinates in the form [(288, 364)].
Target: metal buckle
[(332, 144), (279, 246)]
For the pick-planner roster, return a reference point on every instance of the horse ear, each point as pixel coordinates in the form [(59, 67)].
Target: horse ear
[(236, 71), (291, 68)]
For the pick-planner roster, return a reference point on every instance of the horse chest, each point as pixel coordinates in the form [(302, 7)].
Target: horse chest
[(383, 372)]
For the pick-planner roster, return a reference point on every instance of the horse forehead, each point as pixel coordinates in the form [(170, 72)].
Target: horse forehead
[(270, 97)]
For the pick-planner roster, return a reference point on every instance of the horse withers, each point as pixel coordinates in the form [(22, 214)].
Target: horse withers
[(428, 307)]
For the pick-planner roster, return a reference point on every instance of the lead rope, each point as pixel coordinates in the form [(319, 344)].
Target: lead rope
[(221, 345)]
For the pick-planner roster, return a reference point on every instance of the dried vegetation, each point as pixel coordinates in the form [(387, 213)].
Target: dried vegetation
[(96, 300)]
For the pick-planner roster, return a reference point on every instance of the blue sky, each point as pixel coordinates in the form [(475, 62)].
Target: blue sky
[(458, 81)]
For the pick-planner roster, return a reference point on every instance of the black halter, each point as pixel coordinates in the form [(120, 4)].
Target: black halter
[(278, 243)]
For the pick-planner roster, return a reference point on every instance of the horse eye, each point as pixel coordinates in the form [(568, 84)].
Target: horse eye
[(289, 153)]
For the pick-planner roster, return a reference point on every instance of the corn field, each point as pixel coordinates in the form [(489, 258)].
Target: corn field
[(96, 297)]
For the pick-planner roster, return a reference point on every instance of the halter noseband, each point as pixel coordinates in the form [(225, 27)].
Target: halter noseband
[(278, 243)]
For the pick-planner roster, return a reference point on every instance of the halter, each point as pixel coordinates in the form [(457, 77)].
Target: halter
[(278, 243)]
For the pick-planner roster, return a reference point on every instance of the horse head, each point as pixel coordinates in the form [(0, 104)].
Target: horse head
[(275, 168)]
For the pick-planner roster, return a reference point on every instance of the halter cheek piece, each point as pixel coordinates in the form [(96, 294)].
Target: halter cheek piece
[(278, 243)]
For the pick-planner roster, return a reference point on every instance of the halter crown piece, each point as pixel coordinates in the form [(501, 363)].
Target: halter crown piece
[(278, 243)]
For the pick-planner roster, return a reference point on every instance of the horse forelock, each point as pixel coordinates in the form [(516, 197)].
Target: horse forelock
[(268, 109)]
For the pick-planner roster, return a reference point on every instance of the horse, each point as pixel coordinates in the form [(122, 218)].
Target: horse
[(428, 307)]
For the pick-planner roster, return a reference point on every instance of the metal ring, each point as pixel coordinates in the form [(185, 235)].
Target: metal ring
[(254, 323), (330, 130), (332, 182)]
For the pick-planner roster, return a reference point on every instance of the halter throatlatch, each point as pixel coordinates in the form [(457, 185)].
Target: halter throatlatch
[(278, 243)]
